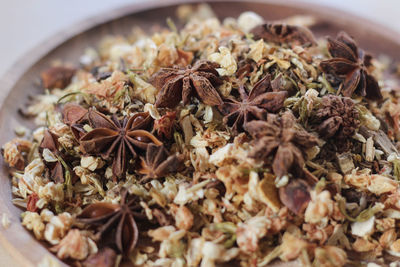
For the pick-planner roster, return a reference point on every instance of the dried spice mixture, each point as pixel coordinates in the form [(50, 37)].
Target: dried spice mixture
[(240, 142)]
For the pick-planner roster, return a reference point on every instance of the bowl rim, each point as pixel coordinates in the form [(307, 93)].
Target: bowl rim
[(32, 55)]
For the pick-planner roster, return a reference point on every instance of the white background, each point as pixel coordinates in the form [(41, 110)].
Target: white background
[(24, 24)]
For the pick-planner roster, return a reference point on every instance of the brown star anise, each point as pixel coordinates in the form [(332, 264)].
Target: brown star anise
[(337, 117), (55, 167), (75, 116), (120, 138), (57, 77), (252, 106), (115, 219), (158, 163), (176, 84), (352, 64), (72, 113), (283, 33), (281, 137)]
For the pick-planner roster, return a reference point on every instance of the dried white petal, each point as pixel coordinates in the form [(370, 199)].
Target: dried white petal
[(363, 229), (5, 221), (49, 156), (248, 20), (225, 59)]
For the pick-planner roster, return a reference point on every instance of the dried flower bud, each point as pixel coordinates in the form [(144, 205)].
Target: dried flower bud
[(75, 246), (320, 207), (58, 227), (32, 221), (13, 152), (291, 247), (330, 256), (249, 233), (183, 217)]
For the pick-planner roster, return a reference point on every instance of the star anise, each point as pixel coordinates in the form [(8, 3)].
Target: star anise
[(281, 137), (351, 64), (337, 117), (72, 113), (57, 77), (252, 106), (158, 163), (75, 116), (55, 167), (115, 219), (176, 84), (283, 33), (120, 138)]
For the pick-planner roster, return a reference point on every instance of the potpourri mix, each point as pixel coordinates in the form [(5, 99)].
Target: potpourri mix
[(244, 142)]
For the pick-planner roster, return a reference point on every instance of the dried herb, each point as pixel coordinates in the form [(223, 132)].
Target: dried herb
[(55, 166), (283, 33), (362, 216), (352, 64), (252, 106), (279, 136), (158, 163), (120, 138), (295, 195), (176, 84), (337, 118), (115, 219), (57, 77)]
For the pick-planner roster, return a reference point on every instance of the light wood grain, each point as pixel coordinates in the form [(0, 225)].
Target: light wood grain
[(19, 82)]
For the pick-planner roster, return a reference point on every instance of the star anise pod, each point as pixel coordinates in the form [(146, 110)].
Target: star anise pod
[(57, 77), (72, 113), (252, 106), (158, 163), (176, 84), (282, 137), (55, 167), (120, 138), (75, 116), (283, 33), (337, 118), (245, 68), (115, 219), (351, 64)]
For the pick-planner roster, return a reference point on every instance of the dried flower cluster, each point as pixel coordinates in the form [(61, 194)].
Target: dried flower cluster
[(240, 142)]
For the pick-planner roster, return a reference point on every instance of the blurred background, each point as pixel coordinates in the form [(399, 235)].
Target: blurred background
[(24, 24)]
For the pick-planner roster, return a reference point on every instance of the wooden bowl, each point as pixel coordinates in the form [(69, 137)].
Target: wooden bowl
[(68, 45)]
